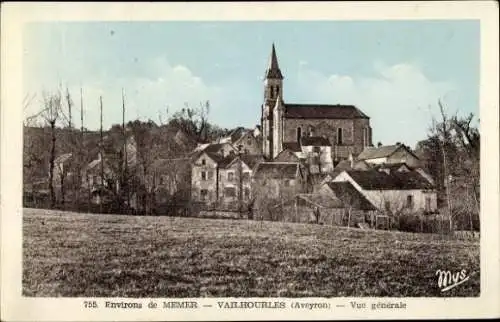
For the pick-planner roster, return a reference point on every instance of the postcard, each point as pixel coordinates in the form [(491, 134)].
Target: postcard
[(249, 161)]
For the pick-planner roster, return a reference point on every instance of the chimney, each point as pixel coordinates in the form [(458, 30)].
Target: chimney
[(379, 144)]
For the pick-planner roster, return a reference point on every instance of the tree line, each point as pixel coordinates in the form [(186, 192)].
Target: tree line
[(50, 134)]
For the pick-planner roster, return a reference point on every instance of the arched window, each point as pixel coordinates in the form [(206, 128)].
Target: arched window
[(339, 136), (299, 134)]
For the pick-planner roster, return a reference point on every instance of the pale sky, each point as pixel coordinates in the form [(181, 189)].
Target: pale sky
[(394, 71)]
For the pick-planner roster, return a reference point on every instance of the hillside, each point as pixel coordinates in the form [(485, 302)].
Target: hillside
[(72, 254)]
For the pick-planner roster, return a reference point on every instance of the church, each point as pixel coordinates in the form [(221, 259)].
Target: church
[(345, 127)]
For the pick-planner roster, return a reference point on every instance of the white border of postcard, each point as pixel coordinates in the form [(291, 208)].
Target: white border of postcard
[(15, 307)]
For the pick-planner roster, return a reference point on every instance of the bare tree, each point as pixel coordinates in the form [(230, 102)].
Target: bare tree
[(454, 149), (393, 205), (51, 113)]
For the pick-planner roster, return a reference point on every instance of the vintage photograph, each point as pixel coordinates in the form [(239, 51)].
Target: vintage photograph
[(208, 159)]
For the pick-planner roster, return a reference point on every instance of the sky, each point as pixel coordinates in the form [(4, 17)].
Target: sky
[(394, 71)]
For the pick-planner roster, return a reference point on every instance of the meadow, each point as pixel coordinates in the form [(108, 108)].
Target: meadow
[(89, 255)]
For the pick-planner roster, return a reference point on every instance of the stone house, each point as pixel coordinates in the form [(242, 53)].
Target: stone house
[(276, 182), (356, 208), (62, 168), (235, 179), (244, 141), (279, 178), (398, 153), (318, 152), (204, 177), (170, 181), (223, 181), (393, 191), (223, 149)]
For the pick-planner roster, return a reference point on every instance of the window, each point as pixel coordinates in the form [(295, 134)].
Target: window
[(365, 136), (287, 183), (339, 136), (203, 194), (247, 193), (387, 205), (277, 90), (316, 149), (203, 175), (229, 192), (246, 175), (203, 162), (427, 203), (210, 175), (409, 201), (230, 176), (299, 134), (162, 180), (311, 130)]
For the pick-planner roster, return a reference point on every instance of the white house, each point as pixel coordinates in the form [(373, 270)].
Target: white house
[(389, 154), (393, 191), (318, 152)]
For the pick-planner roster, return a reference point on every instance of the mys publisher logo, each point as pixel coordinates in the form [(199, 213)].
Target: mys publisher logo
[(448, 279)]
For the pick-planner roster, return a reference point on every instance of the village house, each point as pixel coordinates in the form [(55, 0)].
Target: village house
[(276, 179), (393, 191), (204, 177), (318, 153), (62, 168), (223, 181), (398, 153), (98, 180), (346, 127), (274, 183), (235, 179), (170, 181), (244, 141), (223, 149)]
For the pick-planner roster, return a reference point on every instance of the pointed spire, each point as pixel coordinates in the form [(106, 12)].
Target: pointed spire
[(273, 69)]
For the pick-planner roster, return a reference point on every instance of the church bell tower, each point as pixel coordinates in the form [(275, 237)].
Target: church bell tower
[(273, 91)]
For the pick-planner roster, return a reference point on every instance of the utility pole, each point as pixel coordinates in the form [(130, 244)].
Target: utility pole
[(102, 161), (68, 100), (125, 158)]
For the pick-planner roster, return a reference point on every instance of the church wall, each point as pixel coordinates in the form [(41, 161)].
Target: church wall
[(359, 124), (352, 133), (322, 127)]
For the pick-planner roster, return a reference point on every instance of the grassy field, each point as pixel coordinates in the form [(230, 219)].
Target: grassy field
[(71, 254)]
